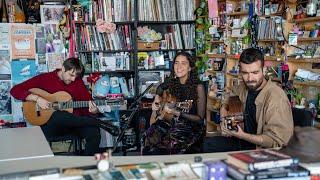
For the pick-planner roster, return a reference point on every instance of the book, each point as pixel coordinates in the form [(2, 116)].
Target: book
[(282, 172), (174, 171), (260, 159)]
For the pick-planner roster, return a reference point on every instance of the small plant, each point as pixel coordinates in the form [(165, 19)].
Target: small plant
[(202, 36), (148, 35), (296, 94)]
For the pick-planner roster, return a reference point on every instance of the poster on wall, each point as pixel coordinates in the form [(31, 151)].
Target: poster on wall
[(54, 61), (4, 36), (22, 42), (5, 62), (51, 14), (53, 39), (22, 70), (40, 39), (41, 63), (5, 97)]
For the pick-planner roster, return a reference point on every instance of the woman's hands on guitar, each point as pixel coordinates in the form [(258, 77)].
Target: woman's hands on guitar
[(156, 103), (169, 110)]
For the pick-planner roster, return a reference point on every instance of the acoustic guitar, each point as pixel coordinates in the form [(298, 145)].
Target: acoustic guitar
[(171, 102), (235, 113), (60, 100)]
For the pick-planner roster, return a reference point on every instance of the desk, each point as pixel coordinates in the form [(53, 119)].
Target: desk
[(78, 161)]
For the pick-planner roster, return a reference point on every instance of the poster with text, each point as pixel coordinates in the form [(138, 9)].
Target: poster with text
[(22, 70), (5, 62), (22, 42), (4, 36)]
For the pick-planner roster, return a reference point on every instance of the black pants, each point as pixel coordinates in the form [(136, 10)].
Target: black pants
[(62, 123), (224, 144)]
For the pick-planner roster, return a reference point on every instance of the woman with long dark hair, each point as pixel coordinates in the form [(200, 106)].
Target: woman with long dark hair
[(178, 111)]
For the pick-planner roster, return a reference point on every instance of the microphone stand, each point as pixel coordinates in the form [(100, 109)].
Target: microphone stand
[(134, 107)]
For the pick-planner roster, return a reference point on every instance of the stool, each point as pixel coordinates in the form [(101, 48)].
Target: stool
[(76, 142)]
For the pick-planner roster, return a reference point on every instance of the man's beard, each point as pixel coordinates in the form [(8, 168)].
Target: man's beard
[(253, 86)]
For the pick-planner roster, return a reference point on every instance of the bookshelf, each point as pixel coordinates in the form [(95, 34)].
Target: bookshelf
[(158, 18), (271, 40)]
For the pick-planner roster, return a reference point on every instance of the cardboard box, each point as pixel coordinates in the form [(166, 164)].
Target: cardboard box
[(142, 45)]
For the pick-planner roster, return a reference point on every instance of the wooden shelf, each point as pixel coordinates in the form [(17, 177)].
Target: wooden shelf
[(237, 57), (303, 20), (216, 55), (309, 39), (269, 40), (306, 83), (271, 58), (242, 13), (304, 60), (211, 71), (232, 74), (273, 14)]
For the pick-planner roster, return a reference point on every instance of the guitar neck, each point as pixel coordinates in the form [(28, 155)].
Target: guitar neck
[(82, 104)]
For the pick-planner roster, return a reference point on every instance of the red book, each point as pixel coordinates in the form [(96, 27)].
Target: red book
[(260, 159)]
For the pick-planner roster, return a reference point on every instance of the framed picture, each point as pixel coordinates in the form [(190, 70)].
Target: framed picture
[(51, 14)]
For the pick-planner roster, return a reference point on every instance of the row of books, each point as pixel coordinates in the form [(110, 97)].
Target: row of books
[(89, 39), (100, 62), (108, 10), (166, 10), (179, 37), (270, 28), (264, 164)]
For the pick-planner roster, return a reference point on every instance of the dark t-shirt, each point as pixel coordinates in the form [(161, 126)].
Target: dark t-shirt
[(250, 123)]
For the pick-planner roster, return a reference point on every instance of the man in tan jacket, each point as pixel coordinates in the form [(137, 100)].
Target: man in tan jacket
[(268, 118)]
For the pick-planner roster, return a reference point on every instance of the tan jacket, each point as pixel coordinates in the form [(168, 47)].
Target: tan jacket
[(273, 114)]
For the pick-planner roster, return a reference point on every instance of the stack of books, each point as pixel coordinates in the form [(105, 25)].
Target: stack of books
[(264, 164)]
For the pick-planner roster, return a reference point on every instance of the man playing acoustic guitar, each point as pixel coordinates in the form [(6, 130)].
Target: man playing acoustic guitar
[(80, 122), (268, 119)]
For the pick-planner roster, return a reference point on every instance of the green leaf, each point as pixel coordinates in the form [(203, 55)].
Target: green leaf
[(199, 11), (199, 30), (199, 20), (198, 40), (247, 25), (203, 4), (207, 46)]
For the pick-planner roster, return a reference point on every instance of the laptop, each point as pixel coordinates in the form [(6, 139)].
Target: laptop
[(23, 143)]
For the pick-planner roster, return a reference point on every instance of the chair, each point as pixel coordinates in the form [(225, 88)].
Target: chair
[(76, 143)]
